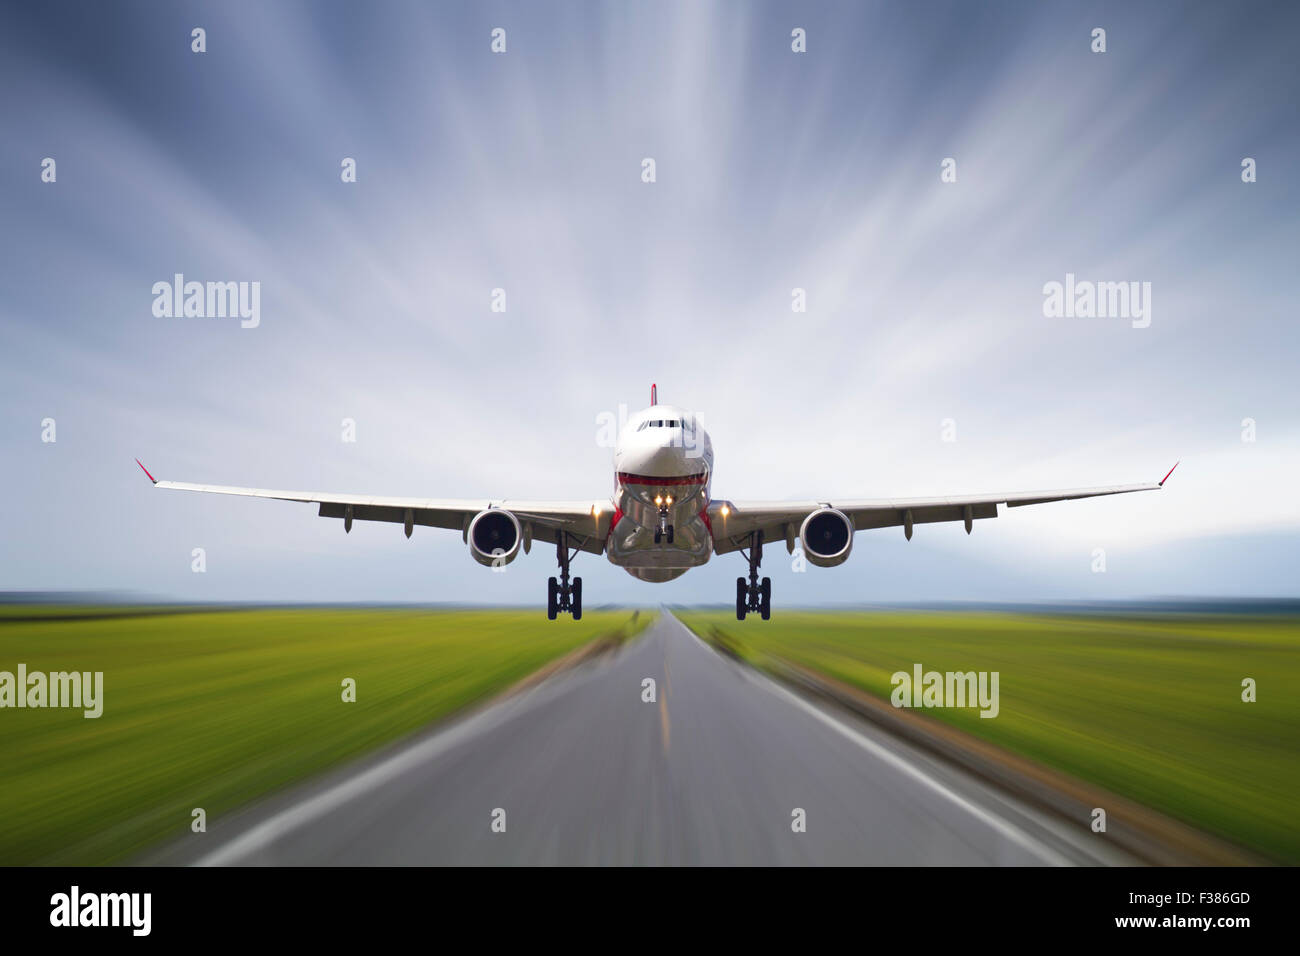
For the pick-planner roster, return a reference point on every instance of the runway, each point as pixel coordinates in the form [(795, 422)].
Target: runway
[(581, 770)]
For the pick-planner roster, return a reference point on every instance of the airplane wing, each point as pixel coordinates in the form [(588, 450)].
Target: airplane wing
[(734, 522), (586, 522)]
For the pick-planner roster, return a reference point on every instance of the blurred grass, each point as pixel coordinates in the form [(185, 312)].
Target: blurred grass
[(1147, 706), (212, 709)]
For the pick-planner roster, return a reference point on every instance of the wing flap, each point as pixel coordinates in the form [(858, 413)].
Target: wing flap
[(866, 519)]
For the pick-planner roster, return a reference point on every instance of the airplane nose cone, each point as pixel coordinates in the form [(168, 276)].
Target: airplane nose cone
[(657, 461)]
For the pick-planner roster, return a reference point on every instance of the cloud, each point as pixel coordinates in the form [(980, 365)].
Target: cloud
[(776, 170)]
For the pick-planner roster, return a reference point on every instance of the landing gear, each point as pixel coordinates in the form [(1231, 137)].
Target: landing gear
[(562, 596), (664, 529), (755, 595)]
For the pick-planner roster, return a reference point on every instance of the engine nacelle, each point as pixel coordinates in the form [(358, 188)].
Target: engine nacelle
[(826, 537), (494, 537)]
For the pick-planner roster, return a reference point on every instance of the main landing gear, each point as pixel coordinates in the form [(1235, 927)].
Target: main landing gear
[(663, 529), (756, 595), (561, 595)]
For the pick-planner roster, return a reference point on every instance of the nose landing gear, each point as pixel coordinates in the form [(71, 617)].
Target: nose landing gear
[(756, 595), (561, 596), (664, 529)]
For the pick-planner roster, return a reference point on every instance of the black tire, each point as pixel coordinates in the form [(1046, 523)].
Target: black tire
[(740, 599), (658, 535), (577, 599), (552, 595), (765, 598), (670, 534)]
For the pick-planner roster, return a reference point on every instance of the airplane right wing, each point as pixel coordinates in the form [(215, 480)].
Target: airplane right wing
[(734, 522)]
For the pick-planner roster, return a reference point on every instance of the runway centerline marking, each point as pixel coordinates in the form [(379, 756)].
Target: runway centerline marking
[(664, 725)]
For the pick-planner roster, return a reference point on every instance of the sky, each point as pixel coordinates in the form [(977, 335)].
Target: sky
[(775, 170)]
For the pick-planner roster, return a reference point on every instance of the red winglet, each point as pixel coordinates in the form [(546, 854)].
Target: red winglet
[(1171, 471), (654, 394), (146, 471)]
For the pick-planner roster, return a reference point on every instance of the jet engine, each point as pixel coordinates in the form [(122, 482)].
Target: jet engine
[(826, 537), (494, 537)]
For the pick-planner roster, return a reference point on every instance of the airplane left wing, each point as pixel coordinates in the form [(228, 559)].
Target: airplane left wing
[(586, 522), (734, 522)]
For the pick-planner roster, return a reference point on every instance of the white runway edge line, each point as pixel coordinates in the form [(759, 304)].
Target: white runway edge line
[(292, 818), (999, 825)]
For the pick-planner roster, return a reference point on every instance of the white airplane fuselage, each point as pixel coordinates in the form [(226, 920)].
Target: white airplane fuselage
[(663, 465)]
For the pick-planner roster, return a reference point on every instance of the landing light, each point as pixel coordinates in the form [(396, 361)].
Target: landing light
[(725, 511), (670, 499), (659, 499)]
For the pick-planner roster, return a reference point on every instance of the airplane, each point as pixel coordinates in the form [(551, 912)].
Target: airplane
[(662, 519)]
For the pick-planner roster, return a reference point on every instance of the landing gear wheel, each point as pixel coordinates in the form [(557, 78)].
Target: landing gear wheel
[(561, 595), (659, 536), (670, 534), (753, 595)]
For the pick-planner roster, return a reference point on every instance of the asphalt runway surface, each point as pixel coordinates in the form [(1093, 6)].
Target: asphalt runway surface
[(586, 772)]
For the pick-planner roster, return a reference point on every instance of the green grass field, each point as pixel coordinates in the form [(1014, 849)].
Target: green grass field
[(212, 709), (1148, 707)]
